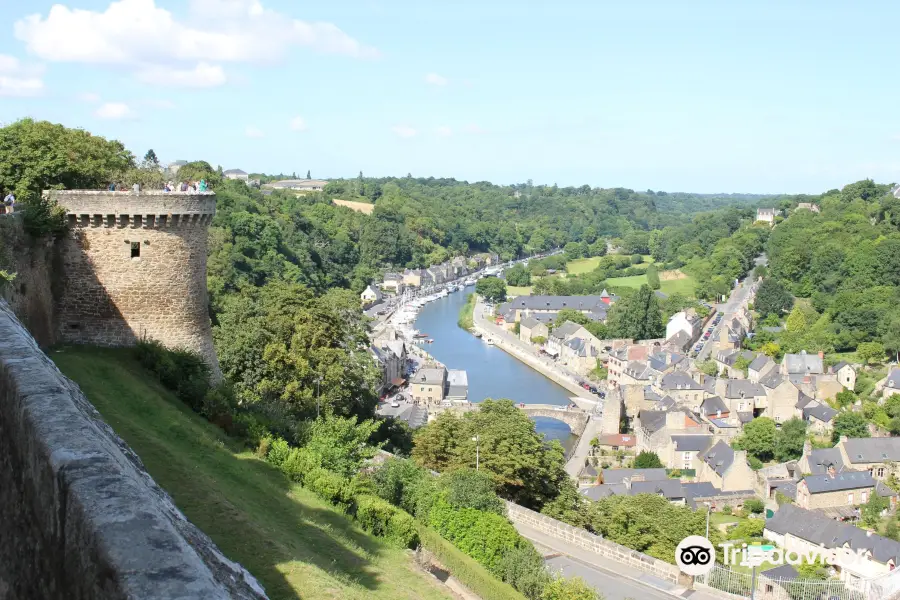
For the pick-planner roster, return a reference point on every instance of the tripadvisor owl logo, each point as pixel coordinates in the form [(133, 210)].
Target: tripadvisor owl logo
[(695, 555)]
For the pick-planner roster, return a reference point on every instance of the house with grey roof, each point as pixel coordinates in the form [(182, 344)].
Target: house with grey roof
[(891, 384), (580, 354), (393, 282), (682, 387), (782, 396), (594, 307), (766, 215), (683, 450), (820, 461), (726, 359), (831, 489), (680, 341), (743, 395), (428, 385), (457, 386), (760, 366), (559, 335), (725, 468), (714, 407), (415, 415), (530, 328), (370, 295), (819, 415), (611, 476), (237, 174), (802, 364), (845, 373), (878, 456), (798, 530), (653, 428)]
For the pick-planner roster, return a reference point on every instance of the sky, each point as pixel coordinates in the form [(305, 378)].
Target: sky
[(678, 95)]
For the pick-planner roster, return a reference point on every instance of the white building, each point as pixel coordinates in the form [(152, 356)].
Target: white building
[(301, 185), (766, 215), (370, 295), (236, 174), (687, 321)]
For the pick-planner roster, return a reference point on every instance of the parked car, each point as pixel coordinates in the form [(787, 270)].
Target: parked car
[(698, 347), (601, 394)]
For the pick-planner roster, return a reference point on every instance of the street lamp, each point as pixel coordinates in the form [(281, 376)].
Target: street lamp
[(477, 457), (708, 509)]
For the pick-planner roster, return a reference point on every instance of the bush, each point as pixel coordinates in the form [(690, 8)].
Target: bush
[(278, 452), (524, 569), (373, 514), (182, 371), (468, 488), (726, 510), (402, 530), (754, 506), (299, 463), (465, 568), (328, 486)]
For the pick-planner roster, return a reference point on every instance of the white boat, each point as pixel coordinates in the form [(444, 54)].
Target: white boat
[(470, 281), (489, 341)]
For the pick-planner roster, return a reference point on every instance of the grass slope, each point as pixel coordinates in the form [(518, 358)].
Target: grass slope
[(295, 544), (684, 286)]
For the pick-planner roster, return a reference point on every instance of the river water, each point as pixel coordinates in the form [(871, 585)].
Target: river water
[(492, 372)]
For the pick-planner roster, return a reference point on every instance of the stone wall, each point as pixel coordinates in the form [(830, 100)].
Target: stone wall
[(589, 541), (134, 266), (80, 518)]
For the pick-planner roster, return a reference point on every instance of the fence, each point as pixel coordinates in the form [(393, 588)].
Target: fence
[(740, 585)]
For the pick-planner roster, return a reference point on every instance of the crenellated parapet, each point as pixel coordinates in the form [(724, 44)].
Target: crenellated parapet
[(142, 210)]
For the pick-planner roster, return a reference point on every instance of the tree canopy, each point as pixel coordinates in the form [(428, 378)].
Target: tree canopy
[(636, 316)]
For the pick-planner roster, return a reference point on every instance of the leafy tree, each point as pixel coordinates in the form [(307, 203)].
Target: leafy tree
[(574, 588), (636, 259), (758, 438), (870, 351), (636, 316), (754, 506), (308, 174), (890, 336), (772, 298), (574, 251), (742, 363), (845, 398), (648, 460), (709, 367), (492, 289), (518, 275), (569, 506), (789, 440), (527, 469), (468, 488), (653, 277), (872, 509), (342, 443), (198, 170), (150, 160), (851, 424)]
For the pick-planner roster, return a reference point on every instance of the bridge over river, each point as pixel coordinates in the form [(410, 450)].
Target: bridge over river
[(575, 418)]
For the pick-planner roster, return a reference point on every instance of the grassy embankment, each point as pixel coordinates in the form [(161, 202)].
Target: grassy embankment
[(296, 545), (671, 282), (467, 313)]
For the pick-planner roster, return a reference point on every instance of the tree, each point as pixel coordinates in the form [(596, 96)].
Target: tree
[(872, 509), (492, 289), (742, 363), (789, 440), (772, 298), (845, 398), (850, 424), (709, 367), (527, 469), (758, 438), (890, 336), (569, 589), (468, 488), (518, 275), (636, 316), (342, 443), (653, 277), (648, 460), (754, 506), (308, 175), (574, 250), (198, 170), (870, 351), (150, 160)]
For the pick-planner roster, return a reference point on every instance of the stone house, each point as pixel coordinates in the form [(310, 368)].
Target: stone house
[(682, 387), (391, 357), (713, 407), (580, 353), (619, 359), (745, 396), (616, 441), (438, 273), (593, 307), (557, 338), (458, 267), (427, 385), (393, 282), (236, 174), (726, 359), (653, 428), (832, 489), (798, 530), (781, 397), (766, 215), (413, 278), (687, 321), (877, 456), (725, 468), (846, 374), (818, 415), (891, 384), (530, 328), (682, 450), (760, 367), (371, 295)]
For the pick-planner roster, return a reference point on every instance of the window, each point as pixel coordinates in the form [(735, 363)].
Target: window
[(135, 249), (850, 498), (880, 471), (864, 497)]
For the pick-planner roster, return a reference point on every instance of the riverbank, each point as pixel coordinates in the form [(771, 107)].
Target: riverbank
[(467, 313)]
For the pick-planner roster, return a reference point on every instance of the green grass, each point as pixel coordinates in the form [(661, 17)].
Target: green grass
[(466, 318), (685, 286), (582, 265), (515, 290), (296, 545)]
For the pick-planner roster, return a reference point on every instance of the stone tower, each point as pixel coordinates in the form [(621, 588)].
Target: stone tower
[(133, 266)]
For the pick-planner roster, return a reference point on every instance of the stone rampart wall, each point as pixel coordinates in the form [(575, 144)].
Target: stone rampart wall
[(80, 518), (587, 540)]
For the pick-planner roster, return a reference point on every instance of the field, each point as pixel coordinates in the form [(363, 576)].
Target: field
[(582, 265), (363, 207), (683, 286), (513, 291), (296, 545)]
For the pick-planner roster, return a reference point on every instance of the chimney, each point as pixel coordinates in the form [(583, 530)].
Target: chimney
[(821, 354), (831, 471)]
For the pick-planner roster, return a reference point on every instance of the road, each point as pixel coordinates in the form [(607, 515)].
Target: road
[(737, 299), (614, 580)]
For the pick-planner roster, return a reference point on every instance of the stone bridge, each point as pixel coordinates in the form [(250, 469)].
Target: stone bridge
[(575, 418)]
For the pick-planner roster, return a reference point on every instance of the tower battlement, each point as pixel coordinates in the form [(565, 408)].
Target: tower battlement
[(134, 266)]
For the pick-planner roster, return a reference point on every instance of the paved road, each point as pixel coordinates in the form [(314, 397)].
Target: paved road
[(736, 300), (613, 579)]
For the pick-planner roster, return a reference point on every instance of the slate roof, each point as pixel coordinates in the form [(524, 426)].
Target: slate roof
[(760, 362), (848, 480), (838, 366), (415, 416), (669, 488), (691, 443), (772, 379), (786, 487), (745, 417), (743, 388), (712, 406), (582, 347), (883, 490), (529, 322), (457, 383), (820, 459), (557, 303), (821, 530), (429, 376), (565, 330), (729, 358), (820, 411), (605, 490), (784, 572), (893, 379), (620, 475), (720, 457), (680, 339), (679, 380), (650, 394), (652, 420), (637, 370), (873, 450), (806, 364)]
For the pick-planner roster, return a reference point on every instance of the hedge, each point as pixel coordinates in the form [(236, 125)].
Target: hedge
[(383, 519), (464, 568)]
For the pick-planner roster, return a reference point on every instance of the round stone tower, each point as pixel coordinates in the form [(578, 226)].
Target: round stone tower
[(134, 266)]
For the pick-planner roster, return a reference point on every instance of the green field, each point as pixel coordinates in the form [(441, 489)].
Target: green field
[(582, 265), (513, 291), (685, 286), (296, 545)]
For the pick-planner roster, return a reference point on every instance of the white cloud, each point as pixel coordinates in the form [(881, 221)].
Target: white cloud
[(202, 76), (298, 124), (896, 137), (89, 97), (114, 111), (444, 131), (253, 132), (17, 79), (404, 131), (474, 129), (435, 79), (179, 49)]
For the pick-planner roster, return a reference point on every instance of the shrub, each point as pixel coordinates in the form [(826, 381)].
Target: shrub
[(328, 486), (726, 510), (373, 514), (468, 488), (265, 444), (182, 371), (524, 569), (754, 505), (464, 568), (401, 530), (299, 463), (278, 452)]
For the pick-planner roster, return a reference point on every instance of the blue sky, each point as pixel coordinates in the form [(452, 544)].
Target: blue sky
[(675, 95)]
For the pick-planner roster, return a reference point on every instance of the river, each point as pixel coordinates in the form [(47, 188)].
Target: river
[(492, 372)]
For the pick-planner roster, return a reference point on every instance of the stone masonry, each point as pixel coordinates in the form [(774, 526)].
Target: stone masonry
[(133, 266), (80, 517), (587, 540)]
